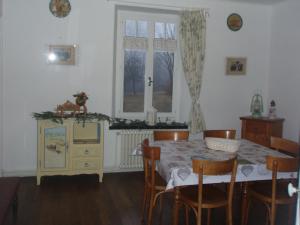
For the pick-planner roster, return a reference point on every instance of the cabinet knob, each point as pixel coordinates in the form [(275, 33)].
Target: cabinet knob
[(86, 151), (86, 164)]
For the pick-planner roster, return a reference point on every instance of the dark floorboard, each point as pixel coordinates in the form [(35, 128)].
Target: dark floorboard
[(81, 200)]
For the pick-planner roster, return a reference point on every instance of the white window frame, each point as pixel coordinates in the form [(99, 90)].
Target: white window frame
[(122, 15)]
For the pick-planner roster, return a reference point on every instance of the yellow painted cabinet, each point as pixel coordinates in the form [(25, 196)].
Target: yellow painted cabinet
[(69, 148)]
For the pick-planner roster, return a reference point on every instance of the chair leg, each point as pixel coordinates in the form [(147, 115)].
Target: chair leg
[(272, 215), (245, 198), (176, 205), (187, 215), (229, 214), (208, 216), (144, 204), (151, 206), (199, 216), (247, 209)]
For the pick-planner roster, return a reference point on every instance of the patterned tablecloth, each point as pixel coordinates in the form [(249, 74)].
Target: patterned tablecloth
[(175, 164)]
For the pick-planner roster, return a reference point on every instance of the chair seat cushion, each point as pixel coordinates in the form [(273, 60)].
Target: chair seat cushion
[(263, 191), (8, 190), (212, 196)]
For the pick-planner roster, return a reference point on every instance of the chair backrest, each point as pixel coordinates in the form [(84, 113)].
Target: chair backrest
[(285, 146), (170, 135), (279, 164), (209, 167), (150, 155), (228, 134)]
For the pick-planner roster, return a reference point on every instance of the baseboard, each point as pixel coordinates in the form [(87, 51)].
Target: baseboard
[(118, 170), (32, 173), (19, 173)]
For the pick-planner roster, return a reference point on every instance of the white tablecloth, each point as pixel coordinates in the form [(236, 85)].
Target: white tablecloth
[(175, 164)]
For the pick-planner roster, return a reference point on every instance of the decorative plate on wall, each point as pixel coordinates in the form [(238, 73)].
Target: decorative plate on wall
[(234, 22), (60, 8)]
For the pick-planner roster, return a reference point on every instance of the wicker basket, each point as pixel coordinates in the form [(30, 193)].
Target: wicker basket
[(222, 144)]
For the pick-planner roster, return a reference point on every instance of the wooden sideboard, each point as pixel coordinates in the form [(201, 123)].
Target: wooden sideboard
[(259, 130), (69, 148)]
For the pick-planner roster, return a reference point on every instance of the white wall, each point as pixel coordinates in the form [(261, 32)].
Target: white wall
[(226, 98), (30, 85), (1, 89), (284, 65)]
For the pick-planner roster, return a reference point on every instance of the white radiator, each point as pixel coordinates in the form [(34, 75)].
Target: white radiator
[(128, 140)]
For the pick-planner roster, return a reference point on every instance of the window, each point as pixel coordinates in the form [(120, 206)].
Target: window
[(146, 55)]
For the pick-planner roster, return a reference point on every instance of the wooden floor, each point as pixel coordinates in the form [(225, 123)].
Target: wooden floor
[(80, 200)]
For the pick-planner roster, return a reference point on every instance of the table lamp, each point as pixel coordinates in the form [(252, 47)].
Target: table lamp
[(256, 107)]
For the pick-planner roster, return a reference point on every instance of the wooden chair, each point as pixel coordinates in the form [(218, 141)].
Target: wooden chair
[(229, 134), (285, 146), (274, 193), (170, 135), (208, 196), (154, 184)]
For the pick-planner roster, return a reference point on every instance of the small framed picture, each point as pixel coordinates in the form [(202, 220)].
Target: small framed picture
[(236, 66), (61, 54)]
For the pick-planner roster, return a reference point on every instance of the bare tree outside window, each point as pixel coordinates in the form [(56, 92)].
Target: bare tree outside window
[(137, 44), (163, 68), (134, 81)]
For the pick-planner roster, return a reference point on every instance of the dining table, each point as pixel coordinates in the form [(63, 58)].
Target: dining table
[(175, 164)]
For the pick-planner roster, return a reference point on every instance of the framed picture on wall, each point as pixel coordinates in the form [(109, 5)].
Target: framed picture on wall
[(236, 65), (61, 54)]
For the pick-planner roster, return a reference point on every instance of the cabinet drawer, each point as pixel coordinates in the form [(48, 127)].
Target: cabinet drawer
[(86, 151), (86, 164), (256, 127)]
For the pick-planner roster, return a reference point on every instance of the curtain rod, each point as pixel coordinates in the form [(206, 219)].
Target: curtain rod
[(159, 6)]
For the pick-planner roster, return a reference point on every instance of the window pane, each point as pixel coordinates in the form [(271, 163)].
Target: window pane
[(159, 30), (130, 28), (163, 81), (134, 81), (142, 29), (170, 31)]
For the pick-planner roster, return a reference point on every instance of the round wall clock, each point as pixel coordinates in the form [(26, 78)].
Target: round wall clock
[(60, 8), (234, 22)]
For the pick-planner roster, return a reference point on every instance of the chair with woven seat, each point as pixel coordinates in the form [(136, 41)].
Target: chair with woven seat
[(286, 146), (154, 184), (198, 197), (274, 193), (170, 135), (228, 134)]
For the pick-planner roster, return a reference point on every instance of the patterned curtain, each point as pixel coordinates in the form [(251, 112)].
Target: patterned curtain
[(192, 33)]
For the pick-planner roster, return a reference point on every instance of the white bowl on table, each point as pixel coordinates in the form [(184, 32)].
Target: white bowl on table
[(222, 144)]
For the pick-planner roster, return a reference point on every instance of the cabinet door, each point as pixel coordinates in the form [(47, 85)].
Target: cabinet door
[(53, 147)]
